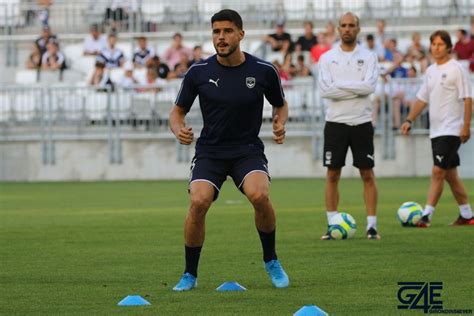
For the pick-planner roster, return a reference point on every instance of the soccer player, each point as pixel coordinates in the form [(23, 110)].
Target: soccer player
[(231, 86), (447, 90), (347, 76)]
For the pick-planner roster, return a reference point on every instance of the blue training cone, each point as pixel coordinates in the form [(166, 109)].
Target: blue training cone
[(133, 300), (230, 286), (310, 310)]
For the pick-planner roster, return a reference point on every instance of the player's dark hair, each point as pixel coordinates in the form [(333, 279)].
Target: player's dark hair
[(228, 15), (444, 36)]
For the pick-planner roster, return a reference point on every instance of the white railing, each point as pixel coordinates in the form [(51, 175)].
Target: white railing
[(48, 113)]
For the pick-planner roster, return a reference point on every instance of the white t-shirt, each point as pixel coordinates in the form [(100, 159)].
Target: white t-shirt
[(444, 88), (347, 79), (93, 46)]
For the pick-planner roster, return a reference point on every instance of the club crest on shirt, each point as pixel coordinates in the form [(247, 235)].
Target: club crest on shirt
[(444, 76), (250, 82), (360, 62)]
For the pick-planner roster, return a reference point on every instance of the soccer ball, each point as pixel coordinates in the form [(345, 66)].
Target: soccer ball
[(409, 213), (342, 226)]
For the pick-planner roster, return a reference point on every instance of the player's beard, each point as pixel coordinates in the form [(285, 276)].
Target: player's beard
[(348, 41), (232, 49)]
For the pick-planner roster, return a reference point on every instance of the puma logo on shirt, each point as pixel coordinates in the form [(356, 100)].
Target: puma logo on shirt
[(214, 82)]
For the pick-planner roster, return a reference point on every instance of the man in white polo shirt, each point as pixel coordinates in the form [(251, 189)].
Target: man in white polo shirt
[(347, 76), (447, 90)]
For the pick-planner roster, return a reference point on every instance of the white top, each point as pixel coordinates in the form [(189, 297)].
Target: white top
[(444, 88), (93, 46), (347, 79)]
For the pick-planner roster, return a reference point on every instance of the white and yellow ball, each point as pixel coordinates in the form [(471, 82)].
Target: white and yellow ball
[(342, 226), (409, 213)]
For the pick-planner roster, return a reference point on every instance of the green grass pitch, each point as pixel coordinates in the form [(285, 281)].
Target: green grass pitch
[(79, 248)]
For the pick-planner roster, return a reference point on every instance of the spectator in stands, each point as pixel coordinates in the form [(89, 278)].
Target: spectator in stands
[(95, 41), (152, 82), (284, 76), (280, 41), (391, 51), (115, 13), (288, 66), (464, 48), (308, 40), (182, 66), (100, 78), (301, 70), (173, 54), (197, 56), (128, 80), (162, 70), (331, 34), (43, 12), (371, 45), (34, 60), (111, 56), (320, 48), (53, 59), (46, 37), (471, 23), (380, 36), (416, 49), (143, 52)]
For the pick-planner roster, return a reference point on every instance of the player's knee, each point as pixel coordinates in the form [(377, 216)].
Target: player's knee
[(438, 174), (200, 203), (333, 177), (367, 177), (258, 197)]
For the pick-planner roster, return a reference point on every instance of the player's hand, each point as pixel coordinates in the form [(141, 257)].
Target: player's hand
[(405, 128), (185, 135), (465, 134), (278, 130)]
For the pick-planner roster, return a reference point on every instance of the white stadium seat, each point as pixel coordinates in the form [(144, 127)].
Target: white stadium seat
[(466, 7), (324, 9), (439, 7), (25, 106), (26, 76), (410, 8), (208, 7), (355, 6), (5, 107), (154, 11), (10, 13), (380, 9), (297, 10)]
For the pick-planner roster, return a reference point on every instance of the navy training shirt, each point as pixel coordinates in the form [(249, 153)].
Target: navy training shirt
[(231, 100)]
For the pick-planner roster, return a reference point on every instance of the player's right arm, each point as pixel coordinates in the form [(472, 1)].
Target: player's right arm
[(183, 133), (184, 100), (414, 112)]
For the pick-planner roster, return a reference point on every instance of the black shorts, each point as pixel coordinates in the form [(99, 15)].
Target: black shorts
[(445, 151), (215, 171), (339, 137)]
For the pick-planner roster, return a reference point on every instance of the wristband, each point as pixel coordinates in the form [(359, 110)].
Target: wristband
[(409, 121)]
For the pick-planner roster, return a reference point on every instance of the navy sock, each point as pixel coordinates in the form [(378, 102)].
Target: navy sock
[(192, 255), (268, 245)]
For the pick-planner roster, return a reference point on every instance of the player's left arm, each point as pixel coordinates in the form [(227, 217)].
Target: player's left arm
[(466, 128), (463, 85), (368, 84), (279, 118)]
